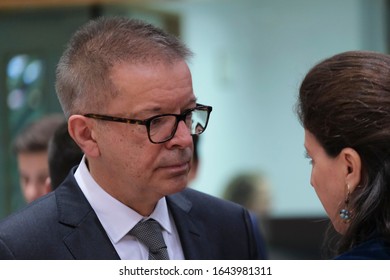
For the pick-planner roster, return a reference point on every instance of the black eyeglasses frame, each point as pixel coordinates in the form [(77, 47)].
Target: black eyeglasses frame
[(146, 122)]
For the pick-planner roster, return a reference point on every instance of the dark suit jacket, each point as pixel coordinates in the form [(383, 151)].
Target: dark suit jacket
[(62, 225), (375, 248)]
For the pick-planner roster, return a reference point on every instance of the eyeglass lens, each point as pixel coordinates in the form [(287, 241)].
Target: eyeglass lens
[(163, 128)]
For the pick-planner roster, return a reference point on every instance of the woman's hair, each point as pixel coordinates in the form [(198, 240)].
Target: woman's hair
[(344, 101)]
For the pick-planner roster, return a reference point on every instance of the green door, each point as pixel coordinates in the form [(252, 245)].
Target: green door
[(31, 43)]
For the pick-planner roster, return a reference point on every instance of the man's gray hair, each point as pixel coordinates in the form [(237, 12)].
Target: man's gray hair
[(83, 72)]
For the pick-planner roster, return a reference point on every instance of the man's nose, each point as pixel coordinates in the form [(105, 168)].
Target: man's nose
[(182, 135)]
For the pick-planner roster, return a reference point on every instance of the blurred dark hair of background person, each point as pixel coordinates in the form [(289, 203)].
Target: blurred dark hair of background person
[(63, 154)]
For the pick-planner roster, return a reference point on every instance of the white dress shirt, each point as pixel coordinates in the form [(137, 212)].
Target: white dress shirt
[(118, 219)]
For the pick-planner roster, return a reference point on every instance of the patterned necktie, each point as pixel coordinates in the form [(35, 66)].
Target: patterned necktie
[(149, 233)]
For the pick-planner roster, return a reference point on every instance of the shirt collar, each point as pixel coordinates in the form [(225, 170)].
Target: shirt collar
[(116, 218)]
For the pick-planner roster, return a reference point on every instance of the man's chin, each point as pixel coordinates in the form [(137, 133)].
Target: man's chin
[(176, 186)]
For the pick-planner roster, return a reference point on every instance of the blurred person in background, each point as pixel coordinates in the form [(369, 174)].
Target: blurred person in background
[(232, 194), (63, 154), (251, 190), (195, 159), (31, 149)]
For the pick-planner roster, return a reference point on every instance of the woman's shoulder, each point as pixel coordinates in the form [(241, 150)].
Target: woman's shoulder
[(373, 249)]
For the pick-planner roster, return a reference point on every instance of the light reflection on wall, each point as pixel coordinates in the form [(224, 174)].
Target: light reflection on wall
[(24, 82)]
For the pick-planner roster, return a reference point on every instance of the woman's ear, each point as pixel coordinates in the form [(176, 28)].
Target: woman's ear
[(82, 130), (353, 165)]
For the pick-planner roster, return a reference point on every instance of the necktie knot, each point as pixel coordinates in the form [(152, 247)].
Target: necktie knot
[(149, 233)]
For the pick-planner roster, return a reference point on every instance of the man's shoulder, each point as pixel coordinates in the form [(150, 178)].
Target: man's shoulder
[(201, 201), (193, 194), (65, 205), (30, 215)]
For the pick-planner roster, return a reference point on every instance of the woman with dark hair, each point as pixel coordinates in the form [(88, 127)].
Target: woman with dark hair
[(344, 107)]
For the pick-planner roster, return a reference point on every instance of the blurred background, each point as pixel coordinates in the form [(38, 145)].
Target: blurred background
[(250, 57)]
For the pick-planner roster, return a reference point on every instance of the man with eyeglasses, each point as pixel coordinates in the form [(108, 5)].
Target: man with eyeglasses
[(126, 91)]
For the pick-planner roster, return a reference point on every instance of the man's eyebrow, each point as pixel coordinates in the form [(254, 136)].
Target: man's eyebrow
[(152, 110), (158, 109)]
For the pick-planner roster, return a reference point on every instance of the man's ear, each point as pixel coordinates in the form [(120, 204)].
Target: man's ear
[(82, 130), (353, 165)]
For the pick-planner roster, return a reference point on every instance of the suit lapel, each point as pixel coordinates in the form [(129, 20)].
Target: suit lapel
[(87, 238), (189, 229), (89, 241)]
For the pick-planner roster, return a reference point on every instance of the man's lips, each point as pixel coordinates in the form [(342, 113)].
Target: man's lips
[(177, 167)]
